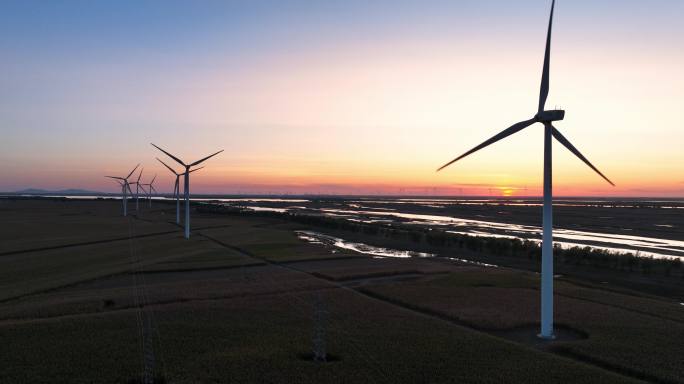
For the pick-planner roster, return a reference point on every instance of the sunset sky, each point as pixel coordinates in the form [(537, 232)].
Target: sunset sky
[(346, 97)]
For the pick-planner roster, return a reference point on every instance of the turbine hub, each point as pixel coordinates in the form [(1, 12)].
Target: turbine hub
[(549, 116)]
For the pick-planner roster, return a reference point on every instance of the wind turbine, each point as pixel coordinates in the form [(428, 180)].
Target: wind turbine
[(544, 117), (150, 189), (137, 190), (187, 184), (125, 188), (176, 187)]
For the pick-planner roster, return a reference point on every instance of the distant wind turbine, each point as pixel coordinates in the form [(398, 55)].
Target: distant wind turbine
[(176, 187), (186, 189), (137, 191), (125, 188), (150, 189), (545, 117)]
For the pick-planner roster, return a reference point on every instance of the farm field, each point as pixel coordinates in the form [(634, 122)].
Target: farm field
[(90, 296)]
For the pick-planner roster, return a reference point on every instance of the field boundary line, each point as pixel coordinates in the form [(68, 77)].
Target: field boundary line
[(617, 306), (93, 242), (159, 304)]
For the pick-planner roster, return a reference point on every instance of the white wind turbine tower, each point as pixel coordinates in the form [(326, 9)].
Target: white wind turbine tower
[(121, 184), (125, 188), (150, 188), (545, 117), (176, 187), (186, 189), (137, 190)]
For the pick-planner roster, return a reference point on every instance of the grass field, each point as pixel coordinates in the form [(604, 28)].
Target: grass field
[(236, 303), (626, 333), (263, 339)]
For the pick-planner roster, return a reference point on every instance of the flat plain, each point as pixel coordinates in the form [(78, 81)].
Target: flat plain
[(90, 296)]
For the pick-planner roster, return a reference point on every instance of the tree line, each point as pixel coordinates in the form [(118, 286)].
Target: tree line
[(506, 247)]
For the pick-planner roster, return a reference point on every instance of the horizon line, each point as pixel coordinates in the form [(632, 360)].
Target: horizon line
[(340, 195)]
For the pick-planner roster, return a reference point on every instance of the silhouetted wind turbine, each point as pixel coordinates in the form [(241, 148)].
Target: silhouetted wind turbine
[(125, 188), (544, 117), (176, 187), (187, 184), (137, 190), (150, 189)]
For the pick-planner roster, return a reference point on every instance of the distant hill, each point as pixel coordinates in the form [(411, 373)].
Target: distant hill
[(35, 191)]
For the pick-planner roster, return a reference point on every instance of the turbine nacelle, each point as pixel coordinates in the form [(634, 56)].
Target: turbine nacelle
[(549, 116)]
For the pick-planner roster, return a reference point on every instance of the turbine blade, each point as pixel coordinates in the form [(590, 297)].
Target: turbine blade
[(140, 175), (561, 139), (153, 189), (136, 167), (153, 179), (170, 169), (170, 155), (129, 188), (196, 169), (544, 89), (115, 177), (206, 158), (503, 134)]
